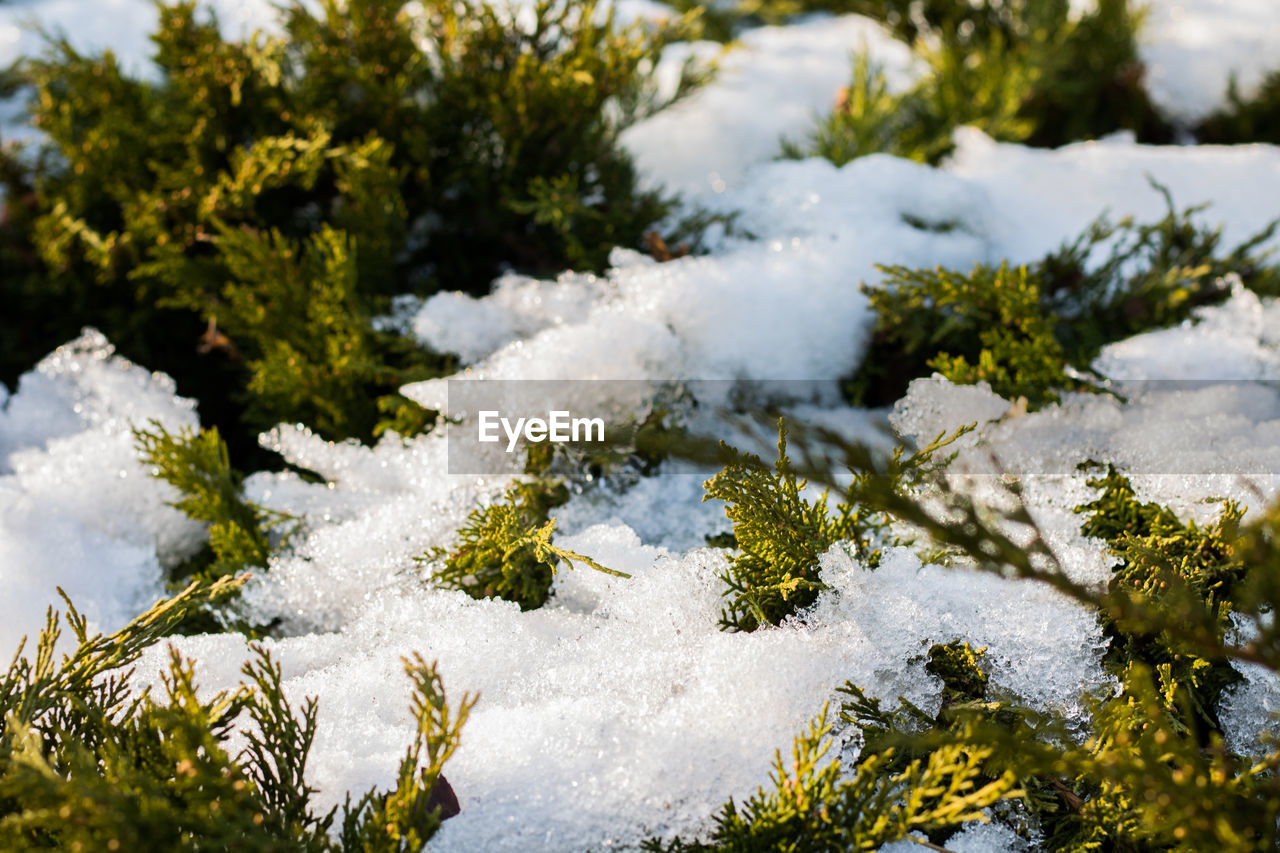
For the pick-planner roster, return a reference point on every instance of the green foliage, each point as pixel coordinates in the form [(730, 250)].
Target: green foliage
[(817, 806), (780, 534), (986, 326), (1253, 119), (1134, 782), (1151, 772), (1022, 71), (197, 465), (505, 549), (317, 359), (1152, 276), (959, 665), (272, 194), (1157, 550), (85, 764), (1034, 331), (403, 819), (983, 89)]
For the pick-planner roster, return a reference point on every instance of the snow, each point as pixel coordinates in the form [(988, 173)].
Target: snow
[(78, 509), (1239, 183), (620, 710), (776, 82), (1193, 48)]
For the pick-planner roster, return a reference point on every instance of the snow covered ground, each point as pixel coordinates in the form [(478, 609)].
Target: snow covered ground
[(620, 710)]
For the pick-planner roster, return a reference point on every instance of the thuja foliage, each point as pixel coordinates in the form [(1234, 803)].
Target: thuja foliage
[(86, 763), (198, 467), (261, 200), (1146, 769), (1149, 276), (889, 794), (1184, 603), (505, 550), (984, 326), (1134, 781), (779, 534), (1033, 331), (1025, 71), (814, 805), (1154, 545)]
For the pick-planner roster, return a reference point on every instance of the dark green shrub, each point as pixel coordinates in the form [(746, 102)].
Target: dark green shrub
[(1021, 71), (1255, 119), (262, 200), (85, 764)]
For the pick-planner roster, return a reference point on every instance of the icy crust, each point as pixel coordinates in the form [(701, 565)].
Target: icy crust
[(787, 305), (77, 507), (621, 710)]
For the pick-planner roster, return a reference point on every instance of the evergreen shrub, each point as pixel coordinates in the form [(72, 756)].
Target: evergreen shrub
[(86, 763), (1025, 71), (1146, 768), (1033, 331), (239, 217)]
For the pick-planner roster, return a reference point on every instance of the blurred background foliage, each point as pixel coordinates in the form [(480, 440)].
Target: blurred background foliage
[(238, 220)]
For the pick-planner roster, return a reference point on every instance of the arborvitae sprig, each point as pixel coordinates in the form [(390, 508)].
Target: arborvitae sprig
[(87, 765), (198, 466), (403, 819), (1161, 556), (780, 534), (1034, 331), (816, 806), (505, 549)]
